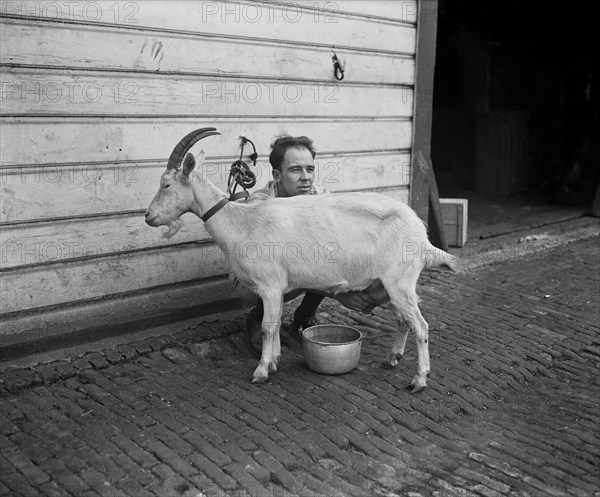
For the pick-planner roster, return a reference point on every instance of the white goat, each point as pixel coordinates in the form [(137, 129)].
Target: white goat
[(332, 242)]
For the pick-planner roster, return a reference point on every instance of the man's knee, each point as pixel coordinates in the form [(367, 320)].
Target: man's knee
[(293, 294), (378, 293)]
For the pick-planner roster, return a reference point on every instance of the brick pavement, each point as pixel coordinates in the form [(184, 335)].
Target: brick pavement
[(511, 409)]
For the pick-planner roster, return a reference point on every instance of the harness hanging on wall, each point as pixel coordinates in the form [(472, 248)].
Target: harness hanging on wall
[(240, 172)]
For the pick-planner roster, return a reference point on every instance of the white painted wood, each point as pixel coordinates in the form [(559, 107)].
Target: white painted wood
[(35, 193), (66, 282), (89, 140), (44, 242), (125, 313), (37, 43), (397, 10), (363, 172), (240, 19), (114, 94), (397, 193)]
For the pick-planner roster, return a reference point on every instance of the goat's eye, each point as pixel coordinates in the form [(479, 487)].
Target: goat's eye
[(166, 186)]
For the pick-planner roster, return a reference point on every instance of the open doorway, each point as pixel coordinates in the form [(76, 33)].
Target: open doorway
[(515, 118)]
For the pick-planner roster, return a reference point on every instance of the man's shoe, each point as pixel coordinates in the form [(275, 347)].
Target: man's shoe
[(254, 332), (304, 317), (299, 325)]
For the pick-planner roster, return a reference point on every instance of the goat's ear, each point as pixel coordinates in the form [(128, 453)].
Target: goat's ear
[(189, 163)]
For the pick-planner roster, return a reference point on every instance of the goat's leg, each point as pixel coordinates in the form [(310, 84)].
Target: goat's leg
[(271, 348), (422, 340), (404, 302), (399, 345)]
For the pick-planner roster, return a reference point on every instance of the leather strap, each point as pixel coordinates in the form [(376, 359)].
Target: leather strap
[(214, 209), (239, 195), (222, 203)]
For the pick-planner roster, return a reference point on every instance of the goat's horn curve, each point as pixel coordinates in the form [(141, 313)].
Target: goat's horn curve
[(186, 143)]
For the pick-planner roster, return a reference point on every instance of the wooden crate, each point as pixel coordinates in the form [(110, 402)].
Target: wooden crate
[(454, 214)]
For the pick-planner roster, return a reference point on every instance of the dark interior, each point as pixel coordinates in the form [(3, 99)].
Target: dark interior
[(516, 118)]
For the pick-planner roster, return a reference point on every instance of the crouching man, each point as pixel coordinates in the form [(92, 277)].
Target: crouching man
[(292, 159)]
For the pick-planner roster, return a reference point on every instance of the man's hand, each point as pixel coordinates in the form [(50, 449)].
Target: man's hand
[(357, 301)]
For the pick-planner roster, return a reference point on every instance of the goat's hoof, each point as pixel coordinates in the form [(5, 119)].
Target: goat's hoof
[(417, 385), (417, 389), (391, 362), (260, 375), (259, 379)]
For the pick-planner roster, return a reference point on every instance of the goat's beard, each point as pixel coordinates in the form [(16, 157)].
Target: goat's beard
[(174, 226)]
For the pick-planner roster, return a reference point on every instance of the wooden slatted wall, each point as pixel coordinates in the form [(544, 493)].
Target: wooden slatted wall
[(96, 94)]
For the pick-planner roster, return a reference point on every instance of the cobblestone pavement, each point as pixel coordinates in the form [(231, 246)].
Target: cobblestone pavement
[(511, 410)]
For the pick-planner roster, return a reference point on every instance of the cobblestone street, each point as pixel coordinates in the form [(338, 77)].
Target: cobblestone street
[(511, 409)]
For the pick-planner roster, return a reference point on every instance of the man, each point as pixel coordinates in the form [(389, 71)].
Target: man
[(292, 160)]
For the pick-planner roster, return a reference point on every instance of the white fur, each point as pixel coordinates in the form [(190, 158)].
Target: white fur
[(331, 242)]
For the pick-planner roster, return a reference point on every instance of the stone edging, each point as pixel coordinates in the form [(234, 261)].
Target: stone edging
[(17, 379)]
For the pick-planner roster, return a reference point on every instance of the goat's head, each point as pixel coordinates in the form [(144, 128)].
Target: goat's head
[(175, 194)]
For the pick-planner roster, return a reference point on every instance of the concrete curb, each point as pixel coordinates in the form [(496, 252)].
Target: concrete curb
[(525, 243), (17, 379)]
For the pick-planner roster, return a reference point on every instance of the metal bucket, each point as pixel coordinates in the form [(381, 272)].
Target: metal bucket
[(331, 349)]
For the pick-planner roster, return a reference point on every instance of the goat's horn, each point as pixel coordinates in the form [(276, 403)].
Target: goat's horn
[(186, 143)]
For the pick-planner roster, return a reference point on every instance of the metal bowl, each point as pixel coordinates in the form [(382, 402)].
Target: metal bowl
[(331, 349)]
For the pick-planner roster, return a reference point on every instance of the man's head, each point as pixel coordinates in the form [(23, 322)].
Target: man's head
[(292, 159)]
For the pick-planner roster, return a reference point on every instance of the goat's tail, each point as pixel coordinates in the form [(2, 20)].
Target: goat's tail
[(435, 257)]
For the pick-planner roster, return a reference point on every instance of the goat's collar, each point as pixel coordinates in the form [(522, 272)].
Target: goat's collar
[(222, 203)]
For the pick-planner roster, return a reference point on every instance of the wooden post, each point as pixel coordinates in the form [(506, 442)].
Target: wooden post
[(435, 222), (424, 198)]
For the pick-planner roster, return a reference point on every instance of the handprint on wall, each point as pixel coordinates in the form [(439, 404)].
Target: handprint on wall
[(151, 55)]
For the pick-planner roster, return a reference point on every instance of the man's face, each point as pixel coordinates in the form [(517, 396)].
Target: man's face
[(297, 173)]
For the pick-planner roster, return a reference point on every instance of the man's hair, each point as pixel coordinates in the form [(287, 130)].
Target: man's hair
[(282, 144)]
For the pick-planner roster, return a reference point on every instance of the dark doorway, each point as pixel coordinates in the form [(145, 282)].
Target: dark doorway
[(515, 117)]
